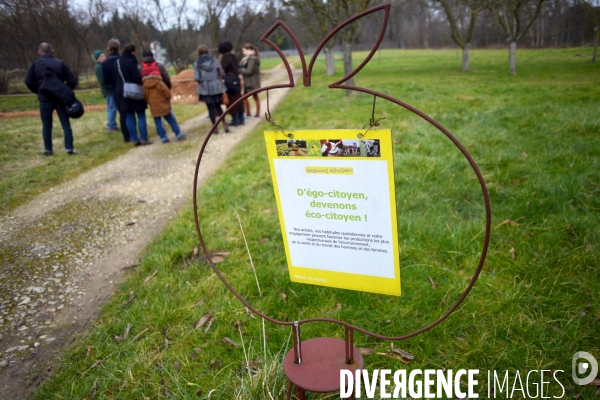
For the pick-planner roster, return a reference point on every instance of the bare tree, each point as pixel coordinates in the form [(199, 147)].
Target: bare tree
[(241, 19), (592, 9), (458, 13), (139, 14), (24, 25), (335, 12), (215, 11), (314, 13), (175, 24), (512, 15), (347, 9)]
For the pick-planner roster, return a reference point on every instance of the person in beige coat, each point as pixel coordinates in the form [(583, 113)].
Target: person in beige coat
[(158, 97), (250, 71)]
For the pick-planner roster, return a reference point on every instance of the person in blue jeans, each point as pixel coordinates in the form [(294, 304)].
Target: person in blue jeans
[(160, 129), (109, 74), (111, 106), (128, 72), (34, 78), (158, 97)]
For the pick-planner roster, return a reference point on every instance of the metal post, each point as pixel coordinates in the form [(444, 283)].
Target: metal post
[(349, 345), (297, 348)]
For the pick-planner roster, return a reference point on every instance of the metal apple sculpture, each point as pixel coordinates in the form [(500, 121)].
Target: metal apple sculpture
[(314, 364)]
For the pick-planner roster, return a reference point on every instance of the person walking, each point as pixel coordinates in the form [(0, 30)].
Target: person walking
[(109, 72), (111, 108), (230, 65), (36, 74), (250, 70), (158, 97), (208, 73), (127, 71)]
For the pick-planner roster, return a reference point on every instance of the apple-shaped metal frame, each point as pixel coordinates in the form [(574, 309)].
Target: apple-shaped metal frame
[(351, 352)]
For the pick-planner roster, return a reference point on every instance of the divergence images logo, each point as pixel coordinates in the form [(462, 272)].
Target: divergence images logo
[(589, 367)]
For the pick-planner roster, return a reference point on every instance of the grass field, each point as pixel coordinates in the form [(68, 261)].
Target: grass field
[(536, 138), (25, 171)]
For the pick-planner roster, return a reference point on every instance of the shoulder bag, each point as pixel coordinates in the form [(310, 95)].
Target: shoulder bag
[(55, 89), (225, 98), (131, 91), (232, 82)]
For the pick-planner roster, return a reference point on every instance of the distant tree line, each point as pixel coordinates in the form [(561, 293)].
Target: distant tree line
[(76, 29)]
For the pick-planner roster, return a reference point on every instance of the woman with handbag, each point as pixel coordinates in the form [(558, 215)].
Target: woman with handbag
[(232, 81), (128, 100), (208, 73)]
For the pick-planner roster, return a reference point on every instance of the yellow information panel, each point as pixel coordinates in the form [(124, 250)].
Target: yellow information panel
[(337, 206)]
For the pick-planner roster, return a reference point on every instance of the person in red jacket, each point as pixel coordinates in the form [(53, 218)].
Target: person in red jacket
[(158, 97)]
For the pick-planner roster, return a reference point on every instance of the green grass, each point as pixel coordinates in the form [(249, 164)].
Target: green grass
[(536, 138), (28, 101), (25, 172), (268, 63)]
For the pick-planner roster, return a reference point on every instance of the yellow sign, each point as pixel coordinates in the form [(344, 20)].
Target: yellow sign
[(337, 207)]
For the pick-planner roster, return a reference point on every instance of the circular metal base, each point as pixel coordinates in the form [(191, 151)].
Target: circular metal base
[(322, 361)]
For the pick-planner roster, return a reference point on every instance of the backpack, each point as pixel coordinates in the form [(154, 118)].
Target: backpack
[(53, 87), (150, 68)]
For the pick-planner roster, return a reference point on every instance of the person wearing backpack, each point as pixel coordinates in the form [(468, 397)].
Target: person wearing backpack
[(230, 65), (46, 68), (158, 97), (148, 57)]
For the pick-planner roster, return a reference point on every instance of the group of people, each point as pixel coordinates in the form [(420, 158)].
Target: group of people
[(114, 70), (210, 74)]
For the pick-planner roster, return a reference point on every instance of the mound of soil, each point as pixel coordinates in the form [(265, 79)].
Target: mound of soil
[(184, 85)]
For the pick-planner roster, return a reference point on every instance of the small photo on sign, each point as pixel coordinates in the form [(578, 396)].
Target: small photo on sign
[(370, 148), (297, 148), (282, 148), (314, 148), (351, 148), (332, 148)]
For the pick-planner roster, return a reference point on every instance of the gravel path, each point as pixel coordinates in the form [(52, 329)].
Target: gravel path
[(64, 251)]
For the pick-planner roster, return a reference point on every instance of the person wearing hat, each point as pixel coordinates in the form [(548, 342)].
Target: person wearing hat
[(230, 65), (111, 107)]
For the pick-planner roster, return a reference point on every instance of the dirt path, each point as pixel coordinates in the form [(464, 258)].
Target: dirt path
[(64, 252)]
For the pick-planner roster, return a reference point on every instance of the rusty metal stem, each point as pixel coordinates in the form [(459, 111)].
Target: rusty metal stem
[(306, 73), (349, 345), (297, 343)]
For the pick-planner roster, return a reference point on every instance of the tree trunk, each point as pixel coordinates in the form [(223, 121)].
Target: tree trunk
[(596, 43), (329, 61), (465, 64), (348, 64), (426, 31), (512, 57)]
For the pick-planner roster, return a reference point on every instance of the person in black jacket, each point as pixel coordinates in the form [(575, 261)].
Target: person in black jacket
[(129, 73), (109, 70), (34, 78), (230, 65)]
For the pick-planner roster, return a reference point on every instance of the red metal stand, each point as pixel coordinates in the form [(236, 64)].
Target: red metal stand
[(319, 370)]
